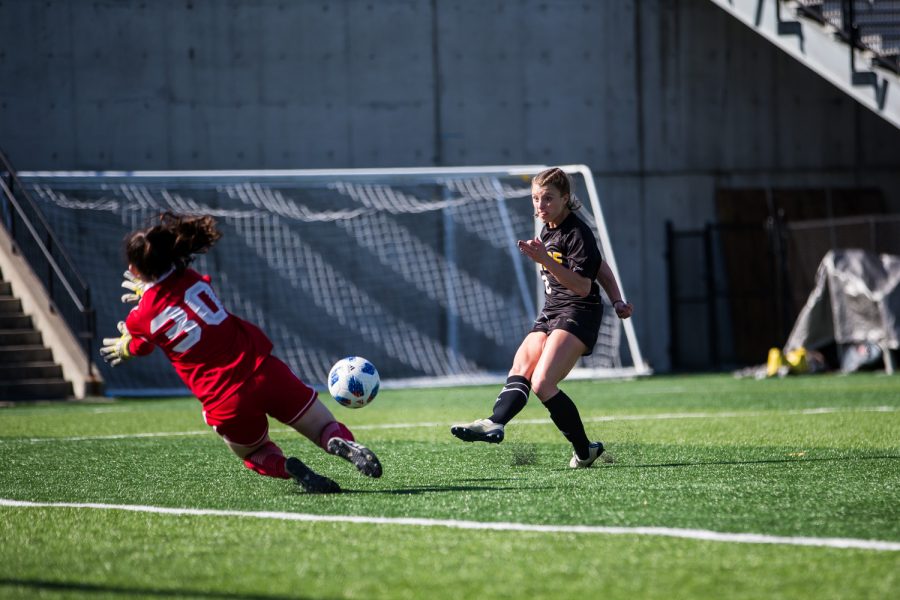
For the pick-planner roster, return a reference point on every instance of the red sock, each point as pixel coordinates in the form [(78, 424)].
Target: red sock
[(268, 460), (332, 430)]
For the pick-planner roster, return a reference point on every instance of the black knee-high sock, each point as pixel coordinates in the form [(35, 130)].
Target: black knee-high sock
[(564, 415), (512, 399)]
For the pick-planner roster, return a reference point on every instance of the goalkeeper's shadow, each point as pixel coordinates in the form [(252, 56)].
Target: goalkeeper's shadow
[(437, 489)]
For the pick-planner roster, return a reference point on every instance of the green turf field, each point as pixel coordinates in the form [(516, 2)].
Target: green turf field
[(808, 468)]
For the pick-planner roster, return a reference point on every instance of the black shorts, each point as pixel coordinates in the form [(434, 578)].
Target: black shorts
[(583, 324)]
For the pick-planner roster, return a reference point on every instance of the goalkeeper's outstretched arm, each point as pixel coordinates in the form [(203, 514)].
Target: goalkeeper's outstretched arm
[(134, 285), (115, 351)]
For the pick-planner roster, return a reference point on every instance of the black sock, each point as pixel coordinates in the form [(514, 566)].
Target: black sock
[(564, 415), (512, 399)]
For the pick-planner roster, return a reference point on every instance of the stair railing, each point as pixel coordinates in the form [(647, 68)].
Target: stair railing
[(33, 238)]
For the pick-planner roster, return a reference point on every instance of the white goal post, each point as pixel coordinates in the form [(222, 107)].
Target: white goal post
[(416, 269)]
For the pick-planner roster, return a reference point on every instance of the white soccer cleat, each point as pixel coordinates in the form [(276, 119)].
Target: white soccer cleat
[(482, 430), (595, 451)]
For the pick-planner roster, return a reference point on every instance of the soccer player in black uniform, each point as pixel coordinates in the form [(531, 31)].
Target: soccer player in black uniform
[(566, 329)]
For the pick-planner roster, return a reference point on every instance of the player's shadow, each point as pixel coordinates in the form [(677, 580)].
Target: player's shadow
[(42, 586), (441, 489), (763, 461)]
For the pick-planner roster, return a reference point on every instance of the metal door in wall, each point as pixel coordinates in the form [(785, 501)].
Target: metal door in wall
[(736, 286)]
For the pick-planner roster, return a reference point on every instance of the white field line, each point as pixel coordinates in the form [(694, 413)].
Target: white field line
[(692, 534), (648, 417)]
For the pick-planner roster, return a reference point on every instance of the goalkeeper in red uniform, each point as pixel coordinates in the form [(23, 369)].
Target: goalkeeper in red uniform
[(225, 361)]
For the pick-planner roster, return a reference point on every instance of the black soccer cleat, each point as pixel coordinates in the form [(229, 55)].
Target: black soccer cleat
[(308, 479), (482, 430), (358, 455)]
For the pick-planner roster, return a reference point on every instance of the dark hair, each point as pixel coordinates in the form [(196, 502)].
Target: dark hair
[(170, 243), (558, 179)]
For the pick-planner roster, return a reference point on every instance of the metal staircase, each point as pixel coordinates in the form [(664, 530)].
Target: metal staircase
[(854, 44)]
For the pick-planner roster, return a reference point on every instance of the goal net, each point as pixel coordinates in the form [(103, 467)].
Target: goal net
[(415, 269)]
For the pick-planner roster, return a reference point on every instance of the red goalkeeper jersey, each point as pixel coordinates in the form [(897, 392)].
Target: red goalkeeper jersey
[(212, 350)]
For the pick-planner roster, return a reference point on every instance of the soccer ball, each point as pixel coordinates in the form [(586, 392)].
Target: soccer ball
[(353, 381)]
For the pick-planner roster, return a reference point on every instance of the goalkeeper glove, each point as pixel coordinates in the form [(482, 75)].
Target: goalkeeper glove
[(135, 286), (115, 350)]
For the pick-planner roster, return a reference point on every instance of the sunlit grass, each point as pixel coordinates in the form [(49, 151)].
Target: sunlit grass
[(710, 453)]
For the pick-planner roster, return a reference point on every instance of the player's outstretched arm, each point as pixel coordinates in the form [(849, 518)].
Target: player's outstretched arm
[(134, 285), (611, 287), (115, 350)]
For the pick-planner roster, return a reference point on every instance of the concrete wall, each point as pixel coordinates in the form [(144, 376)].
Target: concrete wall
[(665, 100)]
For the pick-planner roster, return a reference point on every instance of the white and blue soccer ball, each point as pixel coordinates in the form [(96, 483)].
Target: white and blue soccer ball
[(353, 381)]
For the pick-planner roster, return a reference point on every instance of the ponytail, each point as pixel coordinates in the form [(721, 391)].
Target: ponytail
[(171, 243)]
